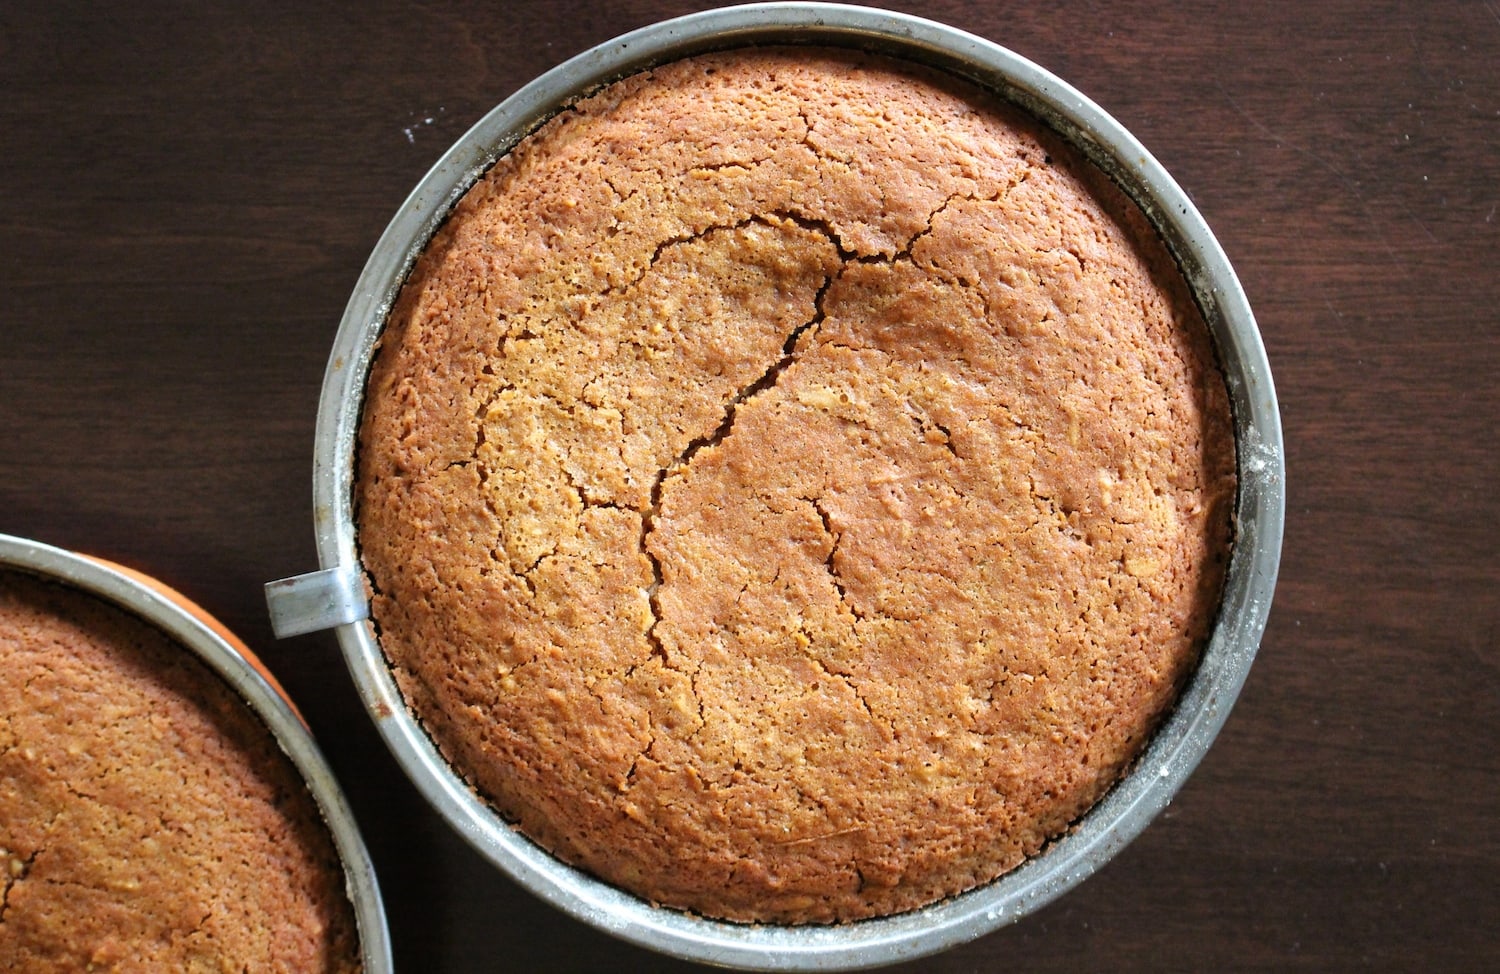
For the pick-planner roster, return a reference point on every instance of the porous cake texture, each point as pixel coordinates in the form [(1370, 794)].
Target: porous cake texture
[(148, 821), (793, 486)]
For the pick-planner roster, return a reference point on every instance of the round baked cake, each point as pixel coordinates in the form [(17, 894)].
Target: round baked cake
[(793, 486), (148, 821)]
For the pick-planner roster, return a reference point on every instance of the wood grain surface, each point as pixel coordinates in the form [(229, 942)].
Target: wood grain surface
[(188, 192)]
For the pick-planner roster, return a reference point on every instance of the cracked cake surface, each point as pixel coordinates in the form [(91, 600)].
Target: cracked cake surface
[(148, 820), (793, 486)]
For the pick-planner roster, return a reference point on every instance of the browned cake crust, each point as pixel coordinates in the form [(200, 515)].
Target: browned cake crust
[(148, 821), (793, 488)]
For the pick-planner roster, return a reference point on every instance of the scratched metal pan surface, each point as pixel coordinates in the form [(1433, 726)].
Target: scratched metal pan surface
[(334, 596), (188, 625)]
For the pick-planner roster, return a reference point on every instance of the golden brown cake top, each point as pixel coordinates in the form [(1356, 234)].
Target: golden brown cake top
[(792, 486), (148, 821)]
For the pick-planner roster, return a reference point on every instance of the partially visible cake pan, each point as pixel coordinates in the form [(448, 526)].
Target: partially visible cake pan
[(335, 596), (189, 626)]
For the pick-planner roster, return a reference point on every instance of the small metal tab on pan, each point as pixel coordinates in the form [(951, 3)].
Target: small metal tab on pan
[(314, 601)]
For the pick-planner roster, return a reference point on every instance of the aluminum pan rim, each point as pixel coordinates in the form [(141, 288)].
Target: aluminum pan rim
[(1177, 746), (116, 588)]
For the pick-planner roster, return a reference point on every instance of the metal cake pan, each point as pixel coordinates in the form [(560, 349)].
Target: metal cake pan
[(188, 625), (334, 596)]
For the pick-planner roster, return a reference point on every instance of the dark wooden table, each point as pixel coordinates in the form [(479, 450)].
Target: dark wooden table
[(188, 192)]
